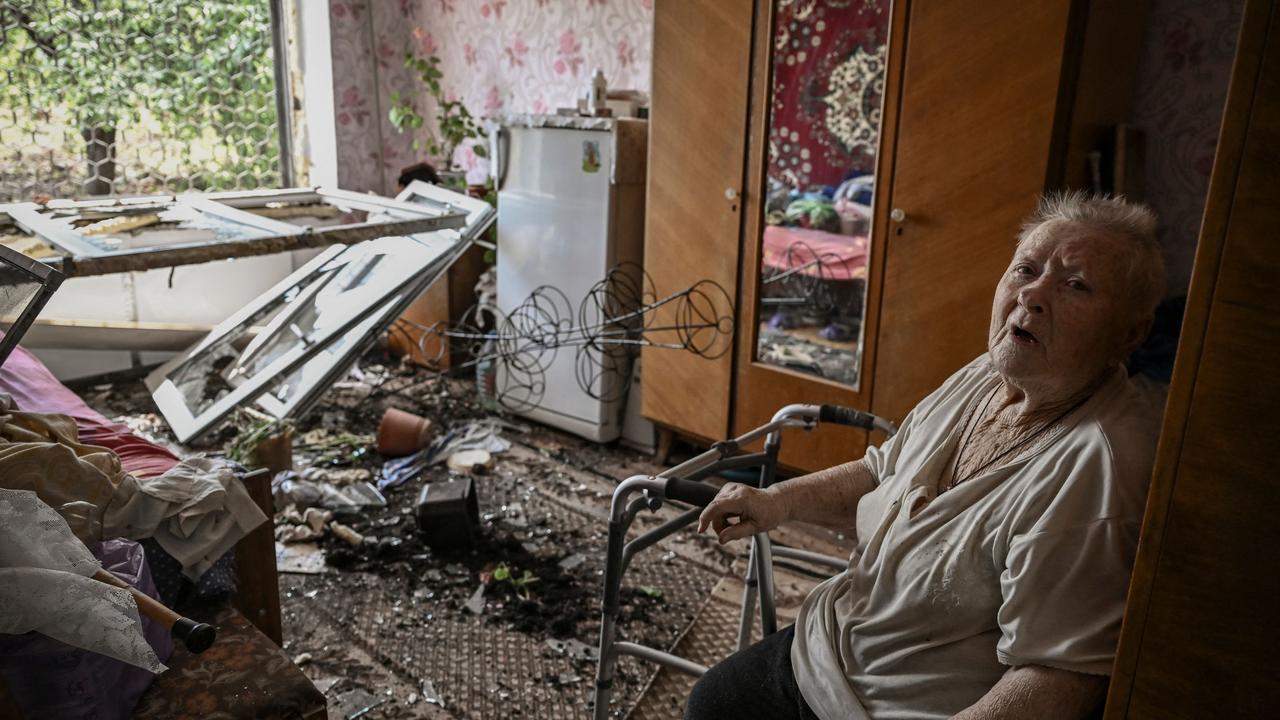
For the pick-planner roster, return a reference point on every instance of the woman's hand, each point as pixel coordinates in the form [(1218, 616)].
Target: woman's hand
[(752, 511)]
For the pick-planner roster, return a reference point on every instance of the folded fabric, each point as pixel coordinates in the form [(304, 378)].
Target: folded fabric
[(41, 452), (196, 511)]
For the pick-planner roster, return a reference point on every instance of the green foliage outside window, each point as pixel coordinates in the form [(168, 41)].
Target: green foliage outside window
[(123, 96)]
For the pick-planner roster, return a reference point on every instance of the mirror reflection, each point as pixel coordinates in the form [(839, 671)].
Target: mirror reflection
[(824, 132)]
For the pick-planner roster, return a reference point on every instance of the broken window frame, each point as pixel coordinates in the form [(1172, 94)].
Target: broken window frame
[(48, 279), (188, 422), (364, 326), (84, 257), (328, 367)]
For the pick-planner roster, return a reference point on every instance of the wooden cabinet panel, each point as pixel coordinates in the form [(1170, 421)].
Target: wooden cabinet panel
[(446, 301), (697, 141), (1201, 624), (979, 102), (763, 388)]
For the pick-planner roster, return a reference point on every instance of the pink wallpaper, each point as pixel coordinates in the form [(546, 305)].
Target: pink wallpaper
[(1182, 85), (367, 39), (496, 55)]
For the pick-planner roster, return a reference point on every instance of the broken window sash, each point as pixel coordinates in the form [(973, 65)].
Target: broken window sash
[(480, 214), (25, 287), (308, 311), (316, 322), (295, 394), (104, 236)]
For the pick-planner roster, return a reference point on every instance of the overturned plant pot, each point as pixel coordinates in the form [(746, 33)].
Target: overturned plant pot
[(402, 433), (448, 514)]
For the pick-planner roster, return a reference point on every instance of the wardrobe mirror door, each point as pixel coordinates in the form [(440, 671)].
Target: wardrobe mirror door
[(828, 78)]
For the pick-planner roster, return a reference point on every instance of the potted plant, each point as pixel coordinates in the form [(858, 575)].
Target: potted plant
[(454, 123), (454, 126)]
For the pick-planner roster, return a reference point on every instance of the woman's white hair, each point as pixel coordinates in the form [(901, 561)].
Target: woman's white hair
[(1133, 223)]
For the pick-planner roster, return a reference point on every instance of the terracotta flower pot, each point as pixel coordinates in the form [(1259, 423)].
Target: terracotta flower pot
[(402, 433)]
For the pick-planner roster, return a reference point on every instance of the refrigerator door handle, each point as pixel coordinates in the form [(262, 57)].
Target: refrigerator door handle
[(497, 151)]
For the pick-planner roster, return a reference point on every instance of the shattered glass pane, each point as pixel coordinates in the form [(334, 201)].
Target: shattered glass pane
[(156, 226), (16, 292), (206, 378), (319, 311), (301, 317)]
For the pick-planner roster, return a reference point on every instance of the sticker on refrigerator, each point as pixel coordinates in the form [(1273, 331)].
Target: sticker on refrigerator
[(590, 156)]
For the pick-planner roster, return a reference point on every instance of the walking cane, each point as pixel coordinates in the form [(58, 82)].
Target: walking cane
[(197, 636)]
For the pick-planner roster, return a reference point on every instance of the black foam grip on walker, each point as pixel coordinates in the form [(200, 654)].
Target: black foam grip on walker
[(690, 491), (840, 415), (196, 636)]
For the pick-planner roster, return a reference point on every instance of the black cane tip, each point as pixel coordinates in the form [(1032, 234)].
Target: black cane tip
[(196, 636)]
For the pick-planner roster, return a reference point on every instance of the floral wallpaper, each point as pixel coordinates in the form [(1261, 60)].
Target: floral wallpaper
[(367, 41), (1181, 88), (496, 55)]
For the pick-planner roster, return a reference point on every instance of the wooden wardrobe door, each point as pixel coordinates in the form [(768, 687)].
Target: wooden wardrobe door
[(980, 99), (762, 388), (1201, 626), (697, 146)]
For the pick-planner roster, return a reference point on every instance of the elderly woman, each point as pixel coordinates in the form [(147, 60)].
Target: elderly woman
[(995, 533)]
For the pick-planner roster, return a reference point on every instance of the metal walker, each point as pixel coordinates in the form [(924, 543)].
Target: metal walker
[(682, 483)]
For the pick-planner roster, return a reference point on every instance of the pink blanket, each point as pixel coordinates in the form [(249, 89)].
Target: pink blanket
[(842, 257), (35, 389)]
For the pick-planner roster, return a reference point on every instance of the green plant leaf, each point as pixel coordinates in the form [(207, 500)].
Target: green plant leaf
[(650, 590)]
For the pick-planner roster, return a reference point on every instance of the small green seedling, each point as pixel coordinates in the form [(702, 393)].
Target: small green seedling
[(651, 591), (520, 585)]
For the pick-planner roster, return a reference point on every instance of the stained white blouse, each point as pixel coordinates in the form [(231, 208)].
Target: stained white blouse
[(1026, 563)]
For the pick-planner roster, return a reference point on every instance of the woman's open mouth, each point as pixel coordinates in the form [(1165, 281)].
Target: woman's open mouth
[(1022, 335)]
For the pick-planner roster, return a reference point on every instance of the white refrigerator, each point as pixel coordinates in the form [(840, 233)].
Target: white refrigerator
[(570, 209)]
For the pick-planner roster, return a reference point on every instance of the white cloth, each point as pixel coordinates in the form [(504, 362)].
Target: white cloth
[(196, 511), (46, 585), (1026, 563)]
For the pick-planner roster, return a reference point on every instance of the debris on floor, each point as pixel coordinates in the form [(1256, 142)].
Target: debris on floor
[(461, 580)]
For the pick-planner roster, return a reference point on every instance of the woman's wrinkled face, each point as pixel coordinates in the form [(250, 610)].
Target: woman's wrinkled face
[(1061, 314)]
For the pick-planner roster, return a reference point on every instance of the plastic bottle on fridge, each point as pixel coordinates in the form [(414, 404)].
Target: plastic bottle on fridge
[(599, 92)]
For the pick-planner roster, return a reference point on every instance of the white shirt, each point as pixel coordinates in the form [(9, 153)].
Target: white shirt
[(1028, 562)]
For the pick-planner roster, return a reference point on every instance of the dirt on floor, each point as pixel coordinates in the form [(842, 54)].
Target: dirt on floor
[(504, 624)]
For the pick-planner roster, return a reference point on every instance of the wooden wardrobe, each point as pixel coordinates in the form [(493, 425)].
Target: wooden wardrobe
[(986, 105)]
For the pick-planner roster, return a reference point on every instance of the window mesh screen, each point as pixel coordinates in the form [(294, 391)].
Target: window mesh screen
[(109, 97)]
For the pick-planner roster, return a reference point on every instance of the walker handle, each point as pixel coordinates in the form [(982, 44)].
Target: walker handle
[(840, 415), (692, 492)]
